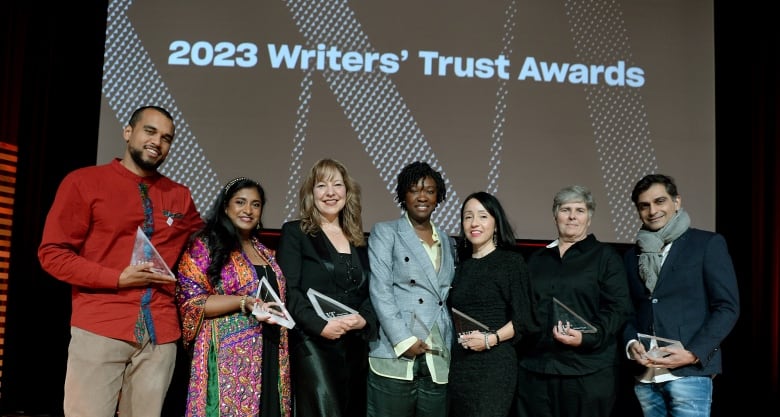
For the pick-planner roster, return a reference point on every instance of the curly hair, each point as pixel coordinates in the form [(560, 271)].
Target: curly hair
[(411, 174), (349, 217)]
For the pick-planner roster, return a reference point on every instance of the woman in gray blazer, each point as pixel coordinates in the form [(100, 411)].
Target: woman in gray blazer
[(412, 266)]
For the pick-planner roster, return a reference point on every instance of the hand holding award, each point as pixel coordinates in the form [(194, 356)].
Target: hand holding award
[(269, 305)]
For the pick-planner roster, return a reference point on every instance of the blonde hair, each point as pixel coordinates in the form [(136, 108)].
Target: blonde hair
[(349, 217)]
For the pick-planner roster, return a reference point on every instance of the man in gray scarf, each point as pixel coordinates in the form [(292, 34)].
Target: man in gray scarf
[(683, 286)]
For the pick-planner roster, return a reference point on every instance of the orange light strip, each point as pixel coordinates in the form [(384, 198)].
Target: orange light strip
[(8, 160)]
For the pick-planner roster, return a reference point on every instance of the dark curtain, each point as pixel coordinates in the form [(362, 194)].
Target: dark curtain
[(50, 102), (766, 201), (50, 89), (747, 200)]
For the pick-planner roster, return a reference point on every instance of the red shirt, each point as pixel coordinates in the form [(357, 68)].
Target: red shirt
[(88, 241)]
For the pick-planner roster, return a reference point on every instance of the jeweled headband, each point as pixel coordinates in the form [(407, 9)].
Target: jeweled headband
[(234, 181)]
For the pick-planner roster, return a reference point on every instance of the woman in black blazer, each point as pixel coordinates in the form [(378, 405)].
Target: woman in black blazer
[(325, 250)]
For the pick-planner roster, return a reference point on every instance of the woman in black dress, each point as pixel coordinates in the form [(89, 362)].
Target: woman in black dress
[(326, 250), (491, 287)]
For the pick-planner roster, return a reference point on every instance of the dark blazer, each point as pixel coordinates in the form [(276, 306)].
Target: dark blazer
[(307, 263), (695, 300)]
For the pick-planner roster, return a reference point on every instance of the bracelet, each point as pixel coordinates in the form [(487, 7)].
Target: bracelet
[(242, 305), (498, 339), (487, 344)]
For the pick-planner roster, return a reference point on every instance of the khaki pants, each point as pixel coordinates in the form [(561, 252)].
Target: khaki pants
[(101, 368)]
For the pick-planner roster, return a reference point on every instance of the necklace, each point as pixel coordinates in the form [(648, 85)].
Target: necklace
[(351, 271), (254, 255), (265, 271), (483, 251)]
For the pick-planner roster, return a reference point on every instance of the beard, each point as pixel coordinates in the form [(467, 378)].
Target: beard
[(138, 157)]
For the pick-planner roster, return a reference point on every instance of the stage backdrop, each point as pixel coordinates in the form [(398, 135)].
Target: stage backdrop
[(517, 98)]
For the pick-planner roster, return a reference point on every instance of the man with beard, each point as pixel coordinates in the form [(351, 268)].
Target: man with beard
[(124, 323), (684, 289)]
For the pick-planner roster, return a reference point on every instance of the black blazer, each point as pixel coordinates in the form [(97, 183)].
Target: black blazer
[(307, 263), (694, 301)]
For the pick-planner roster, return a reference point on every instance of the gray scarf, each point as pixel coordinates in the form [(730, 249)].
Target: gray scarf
[(652, 243)]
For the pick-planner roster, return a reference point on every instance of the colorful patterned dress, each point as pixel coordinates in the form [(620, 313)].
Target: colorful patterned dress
[(226, 372)]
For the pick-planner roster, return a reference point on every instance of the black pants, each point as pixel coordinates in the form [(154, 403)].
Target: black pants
[(547, 395)]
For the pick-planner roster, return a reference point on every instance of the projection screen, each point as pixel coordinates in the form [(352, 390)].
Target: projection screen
[(517, 98)]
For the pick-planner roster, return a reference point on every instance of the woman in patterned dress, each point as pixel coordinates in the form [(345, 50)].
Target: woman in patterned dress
[(240, 363)]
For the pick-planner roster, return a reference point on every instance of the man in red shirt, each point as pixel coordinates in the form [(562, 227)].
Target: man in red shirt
[(124, 322)]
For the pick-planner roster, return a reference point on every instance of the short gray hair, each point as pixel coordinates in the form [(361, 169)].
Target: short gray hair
[(574, 194)]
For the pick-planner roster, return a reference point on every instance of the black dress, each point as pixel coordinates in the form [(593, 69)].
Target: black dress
[(271, 336), (493, 289), (329, 375)]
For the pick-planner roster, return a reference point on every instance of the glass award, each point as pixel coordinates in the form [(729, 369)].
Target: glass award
[(421, 331), (418, 328), (653, 343), (568, 319), (144, 251), (274, 307), (326, 307), (465, 324)]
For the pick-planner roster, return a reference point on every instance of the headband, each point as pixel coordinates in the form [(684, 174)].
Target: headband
[(233, 182)]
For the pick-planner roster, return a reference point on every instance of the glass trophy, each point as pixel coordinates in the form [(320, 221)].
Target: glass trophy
[(144, 251), (653, 343), (465, 324), (326, 307), (273, 305), (421, 331), (568, 319)]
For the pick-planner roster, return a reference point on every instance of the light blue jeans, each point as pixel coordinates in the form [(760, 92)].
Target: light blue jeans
[(690, 396)]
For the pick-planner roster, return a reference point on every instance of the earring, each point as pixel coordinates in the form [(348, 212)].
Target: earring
[(495, 239)]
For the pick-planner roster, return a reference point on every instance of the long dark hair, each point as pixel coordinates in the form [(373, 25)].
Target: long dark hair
[(219, 234), (505, 235)]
